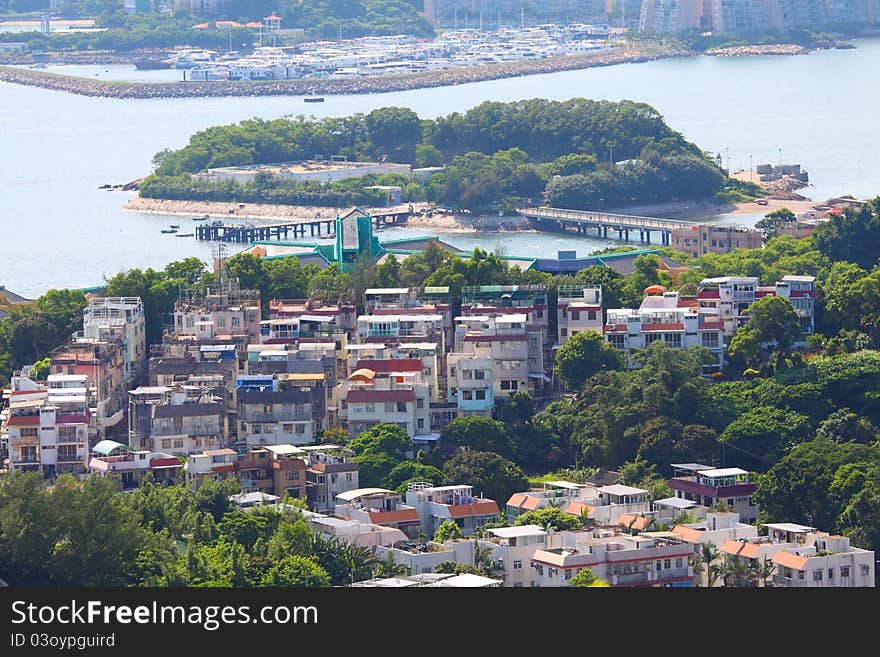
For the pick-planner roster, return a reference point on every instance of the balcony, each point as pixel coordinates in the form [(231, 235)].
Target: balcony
[(281, 416), (652, 577)]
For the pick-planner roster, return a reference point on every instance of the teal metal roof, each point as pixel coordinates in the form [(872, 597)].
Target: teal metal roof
[(107, 447)]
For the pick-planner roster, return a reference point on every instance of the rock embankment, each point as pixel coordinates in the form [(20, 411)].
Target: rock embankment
[(767, 49), (378, 84)]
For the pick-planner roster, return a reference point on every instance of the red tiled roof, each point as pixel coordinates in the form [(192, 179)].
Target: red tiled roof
[(575, 508), (164, 463), (688, 303), (711, 326), (516, 499), (475, 508), (398, 516), (629, 521), (380, 396), (23, 421), (688, 534), (72, 419), (531, 503), (391, 364)]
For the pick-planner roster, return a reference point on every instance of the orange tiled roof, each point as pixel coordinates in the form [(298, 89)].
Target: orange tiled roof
[(790, 560), (740, 549), (475, 508), (531, 503), (406, 516), (517, 499), (578, 508), (633, 522), (688, 534)]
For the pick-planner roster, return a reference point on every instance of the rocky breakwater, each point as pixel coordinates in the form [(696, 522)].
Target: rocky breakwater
[(766, 49), (378, 84)]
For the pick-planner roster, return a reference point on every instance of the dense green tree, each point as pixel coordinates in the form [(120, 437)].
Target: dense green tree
[(296, 571), (745, 347), (386, 273), (845, 426), (775, 320), (476, 433), (584, 578), (389, 439), (329, 284), (408, 471), (582, 356), (775, 220), (490, 475), (853, 236), (551, 517)]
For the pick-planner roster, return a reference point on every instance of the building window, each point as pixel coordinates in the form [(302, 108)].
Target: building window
[(865, 570), (575, 315), (300, 429), (830, 574), (480, 394), (178, 444), (817, 575), (466, 395), (651, 337), (420, 423), (517, 565), (369, 408), (730, 501), (844, 571), (291, 475), (667, 564), (673, 340), (467, 374), (800, 574), (591, 315), (236, 322), (617, 340), (389, 407), (564, 332), (401, 407), (479, 375), (348, 477), (678, 562), (287, 428), (420, 403), (333, 477)]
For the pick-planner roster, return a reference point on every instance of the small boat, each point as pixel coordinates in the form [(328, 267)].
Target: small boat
[(169, 230), (185, 235), (150, 64), (312, 98), (174, 226), (205, 218)]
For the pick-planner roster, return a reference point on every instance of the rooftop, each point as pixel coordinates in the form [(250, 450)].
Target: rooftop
[(516, 532)]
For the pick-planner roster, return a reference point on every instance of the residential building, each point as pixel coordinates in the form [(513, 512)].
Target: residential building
[(316, 317), (670, 17), (101, 361), (651, 559), (280, 416), (710, 486), (700, 239), (793, 555), (206, 314), (578, 309), (112, 459), (739, 17), (119, 319), (48, 430), (717, 529), (414, 301), (552, 493), (423, 558), (176, 420), (606, 504), (511, 550), (379, 506), (353, 531), (664, 316), (330, 471), (274, 469), (217, 464), (438, 504), (395, 394), (402, 326), (727, 298)]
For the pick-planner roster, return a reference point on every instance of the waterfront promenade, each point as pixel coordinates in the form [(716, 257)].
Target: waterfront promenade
[(303, 87)]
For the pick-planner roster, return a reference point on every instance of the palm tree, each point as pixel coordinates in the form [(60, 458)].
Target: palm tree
[(706, 559), (388, 567), (483, 559)]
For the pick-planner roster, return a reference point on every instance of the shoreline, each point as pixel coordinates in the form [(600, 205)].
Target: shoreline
[(379, 84), (696, 211)]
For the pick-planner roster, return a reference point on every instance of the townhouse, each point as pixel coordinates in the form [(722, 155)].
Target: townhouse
[(272, 417), (204, 314), (511, 549), (180, 420), (578, 309), (119, 319), (330, 470), (552, 493)]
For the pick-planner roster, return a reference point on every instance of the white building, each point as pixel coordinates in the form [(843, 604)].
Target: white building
[(396, 394), (578, 309), (438, 504), (310, 170), (120, 319), (512, 549), (227, 314), (378, 506), (177, 421), (663, 317), (716, 530)]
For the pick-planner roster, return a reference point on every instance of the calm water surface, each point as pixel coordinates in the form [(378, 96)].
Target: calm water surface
[(60, 230)]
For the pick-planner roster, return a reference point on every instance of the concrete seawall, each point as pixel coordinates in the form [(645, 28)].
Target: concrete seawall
[(108, 89)]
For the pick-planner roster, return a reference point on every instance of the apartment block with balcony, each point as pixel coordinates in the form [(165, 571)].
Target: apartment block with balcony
[(606, 504), (277, 470), (717, 529), (650, 559), (280, 416), (708, 486), (401, 326), (339, 317), (330, 471), (48, 432), (378, 506), (578, 309), (101, 361), (438, 504), (175, 420), (422, 558), (119, 319), (414, 301), (663, 316), (112, 459)]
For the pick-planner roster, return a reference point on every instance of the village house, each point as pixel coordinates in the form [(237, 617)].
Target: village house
[(710, 486), (438, 504)]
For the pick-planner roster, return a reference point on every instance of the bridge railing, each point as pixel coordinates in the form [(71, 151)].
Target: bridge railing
[(606, 218)]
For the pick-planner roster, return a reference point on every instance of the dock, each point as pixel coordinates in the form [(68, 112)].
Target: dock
[(218, 231), (605, 225)]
